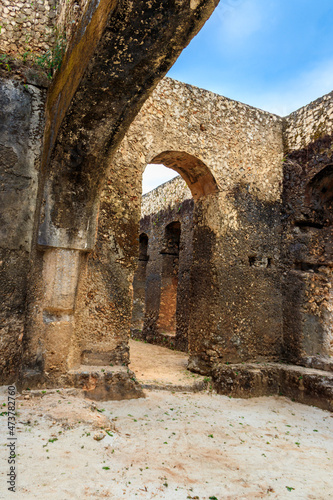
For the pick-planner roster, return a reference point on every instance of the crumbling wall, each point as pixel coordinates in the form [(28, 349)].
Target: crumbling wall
[(117, 55), (235, 294), (166, 311), (308, 232), (21, 129)]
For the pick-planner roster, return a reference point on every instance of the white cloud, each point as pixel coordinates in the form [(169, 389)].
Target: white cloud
[(297, 92), (239, 19), (155, 175)]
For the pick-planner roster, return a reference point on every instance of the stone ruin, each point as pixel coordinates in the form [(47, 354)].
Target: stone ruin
[(231, 262)]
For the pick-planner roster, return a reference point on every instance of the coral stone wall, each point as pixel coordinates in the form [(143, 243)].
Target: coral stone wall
[(27, 25), (21, 128), (309, 123), (34, 25), (308, 232), (167, 196), (235, 308)]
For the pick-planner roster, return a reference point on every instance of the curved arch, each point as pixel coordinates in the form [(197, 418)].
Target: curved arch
[(195, 173)]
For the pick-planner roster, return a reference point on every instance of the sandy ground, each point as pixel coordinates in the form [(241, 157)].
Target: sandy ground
[(159, 365), (168, 446)]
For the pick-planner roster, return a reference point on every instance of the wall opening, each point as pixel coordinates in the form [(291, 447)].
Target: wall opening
[(169, 280), (139, 285), (167, 220), (196, 174)]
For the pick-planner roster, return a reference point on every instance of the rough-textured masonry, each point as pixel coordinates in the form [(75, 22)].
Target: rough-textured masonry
[(36, 26), (73, 148), (161, 286), (307, 229), (21, 126), (116, 53), (233, 165)]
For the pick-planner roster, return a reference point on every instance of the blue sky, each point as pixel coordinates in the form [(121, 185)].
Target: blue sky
[(276, 55)]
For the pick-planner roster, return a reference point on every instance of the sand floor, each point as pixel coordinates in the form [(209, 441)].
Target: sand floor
[(168, 446), (160, 366)]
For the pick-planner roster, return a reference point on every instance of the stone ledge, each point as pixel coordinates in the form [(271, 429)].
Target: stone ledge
[(195, 387), (319, 363), (304, 385), (100, 383), (105, 383)]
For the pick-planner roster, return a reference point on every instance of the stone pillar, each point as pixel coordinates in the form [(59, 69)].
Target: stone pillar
[(60, 277)]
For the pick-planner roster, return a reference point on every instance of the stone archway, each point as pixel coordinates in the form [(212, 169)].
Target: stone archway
[(169, 297), (193, 170), (117, 56), (121, 249)]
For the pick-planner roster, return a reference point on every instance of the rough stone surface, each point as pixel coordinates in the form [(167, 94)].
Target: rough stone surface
[(105, 77), (257, 281), (167, 195), (34, 27), (21, 125), (307, 229), (235, 309), (166, 281), (304, 385)]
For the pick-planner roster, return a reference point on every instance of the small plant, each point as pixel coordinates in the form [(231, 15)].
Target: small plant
[(4, 61), (25, 56), (52, 59)]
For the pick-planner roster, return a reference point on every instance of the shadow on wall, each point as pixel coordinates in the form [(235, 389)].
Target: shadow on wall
[(308, 254)]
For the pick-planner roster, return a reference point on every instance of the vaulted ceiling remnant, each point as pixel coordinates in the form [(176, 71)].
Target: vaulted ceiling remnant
[(118, 55)]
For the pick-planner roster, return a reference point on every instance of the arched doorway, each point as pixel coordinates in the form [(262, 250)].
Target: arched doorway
[(170, 227)]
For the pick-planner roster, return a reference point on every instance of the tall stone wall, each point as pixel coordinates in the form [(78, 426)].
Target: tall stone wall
[(167, 196), (308, 232), (165, 303), (21, 129)]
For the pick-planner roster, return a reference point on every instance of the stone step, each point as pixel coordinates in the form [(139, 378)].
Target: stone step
[(100, 383), (304, 385), (198, 386)]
